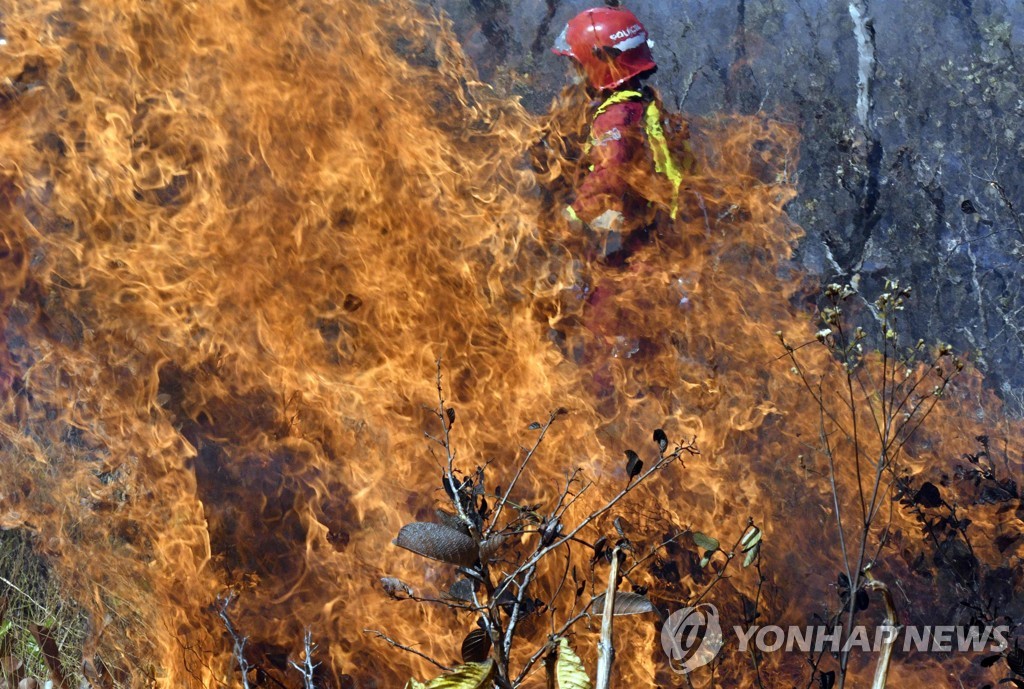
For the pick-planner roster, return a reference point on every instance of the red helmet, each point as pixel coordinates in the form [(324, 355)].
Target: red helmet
[(609, 43)]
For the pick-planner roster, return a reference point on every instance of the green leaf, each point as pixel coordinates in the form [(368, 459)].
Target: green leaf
[(468, 676), (569, 668), (704, 561), (751, 555), (5, 628), (705, 541), (751, 539), (413, 684)]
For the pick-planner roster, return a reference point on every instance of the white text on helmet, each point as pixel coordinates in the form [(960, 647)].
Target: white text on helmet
[(626, 33)]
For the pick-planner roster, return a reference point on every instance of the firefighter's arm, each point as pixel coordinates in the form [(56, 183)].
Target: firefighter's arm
[(603, 188), (614, 149)]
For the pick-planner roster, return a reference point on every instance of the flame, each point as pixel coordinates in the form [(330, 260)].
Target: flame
[(237, 237)]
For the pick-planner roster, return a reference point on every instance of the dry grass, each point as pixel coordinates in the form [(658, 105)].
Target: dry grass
[(33, 597)]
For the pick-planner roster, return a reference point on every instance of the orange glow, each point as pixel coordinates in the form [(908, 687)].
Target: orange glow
[(236, 238)]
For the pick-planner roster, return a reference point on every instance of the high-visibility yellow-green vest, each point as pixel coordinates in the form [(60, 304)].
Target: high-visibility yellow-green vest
[(664, 163)]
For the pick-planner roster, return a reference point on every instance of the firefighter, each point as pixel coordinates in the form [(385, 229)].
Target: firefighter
[(632, 173), (633, 166)]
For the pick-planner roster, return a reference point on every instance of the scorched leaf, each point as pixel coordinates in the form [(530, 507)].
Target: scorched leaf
[(438, 542)]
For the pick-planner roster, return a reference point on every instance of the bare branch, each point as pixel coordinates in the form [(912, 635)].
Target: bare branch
[(606, 645), (890, 624), (407, 649), (519, 472), (514, 617), (308, 667), (662, 462), (238, 641), (552, 639), (445, 442)]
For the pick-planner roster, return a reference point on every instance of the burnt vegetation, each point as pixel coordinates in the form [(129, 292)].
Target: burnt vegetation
[(539, 577), (514, 573), (871, 403)]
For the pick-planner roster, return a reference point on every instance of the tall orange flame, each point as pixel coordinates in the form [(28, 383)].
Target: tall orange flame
[(236, 238)]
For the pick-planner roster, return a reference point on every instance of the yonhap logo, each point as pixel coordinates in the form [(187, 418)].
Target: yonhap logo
[(692, 637)]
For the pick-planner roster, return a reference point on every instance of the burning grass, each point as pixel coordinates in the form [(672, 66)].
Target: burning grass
[(237, 238), (42, 632)]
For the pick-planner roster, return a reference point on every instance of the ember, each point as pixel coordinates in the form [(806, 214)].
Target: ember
[(237, 238)]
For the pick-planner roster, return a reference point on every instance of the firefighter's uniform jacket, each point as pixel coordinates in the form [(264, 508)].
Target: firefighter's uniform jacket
[(628, 144)]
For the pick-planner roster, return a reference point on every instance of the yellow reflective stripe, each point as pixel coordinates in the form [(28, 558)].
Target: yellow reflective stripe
[(616, 98), (663, 162)]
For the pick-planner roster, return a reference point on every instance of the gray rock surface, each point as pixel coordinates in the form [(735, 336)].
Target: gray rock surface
[(915, 173)]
